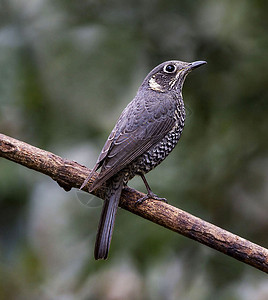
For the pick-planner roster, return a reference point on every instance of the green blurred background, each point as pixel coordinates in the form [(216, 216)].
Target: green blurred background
[(67, 69)]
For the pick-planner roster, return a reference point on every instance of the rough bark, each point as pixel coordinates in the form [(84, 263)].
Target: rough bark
[(70, 174)]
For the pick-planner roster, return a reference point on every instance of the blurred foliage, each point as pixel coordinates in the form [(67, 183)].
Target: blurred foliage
[(67, 69)]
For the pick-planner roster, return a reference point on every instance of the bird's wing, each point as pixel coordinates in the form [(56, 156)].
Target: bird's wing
[(141, 125)]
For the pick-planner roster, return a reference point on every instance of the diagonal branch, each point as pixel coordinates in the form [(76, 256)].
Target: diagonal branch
[(70, 174)]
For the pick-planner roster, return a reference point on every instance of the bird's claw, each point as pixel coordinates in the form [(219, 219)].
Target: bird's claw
[(150, 196)]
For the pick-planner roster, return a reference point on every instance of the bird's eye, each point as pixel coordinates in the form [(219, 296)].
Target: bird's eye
[(169, 68)]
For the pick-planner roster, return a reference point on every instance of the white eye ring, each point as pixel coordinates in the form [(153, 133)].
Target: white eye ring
[(170, 68)]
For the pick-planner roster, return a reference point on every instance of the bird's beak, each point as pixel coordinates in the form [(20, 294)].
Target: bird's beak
[(197, 64), (182, 73)]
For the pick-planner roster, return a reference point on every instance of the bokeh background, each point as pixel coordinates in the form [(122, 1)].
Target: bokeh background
[(67, 69)]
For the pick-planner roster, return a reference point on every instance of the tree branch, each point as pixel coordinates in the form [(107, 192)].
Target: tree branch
[(70, 174)]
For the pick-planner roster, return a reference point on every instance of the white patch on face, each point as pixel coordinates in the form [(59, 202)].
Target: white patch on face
[(155, 86)]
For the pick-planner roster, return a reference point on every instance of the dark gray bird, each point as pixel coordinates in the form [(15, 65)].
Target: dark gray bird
[(145, 133)]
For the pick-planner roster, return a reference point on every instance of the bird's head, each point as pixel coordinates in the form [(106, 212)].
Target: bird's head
[(169, 75)]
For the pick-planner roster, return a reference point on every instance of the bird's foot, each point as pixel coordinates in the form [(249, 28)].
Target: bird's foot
[(151, 195)]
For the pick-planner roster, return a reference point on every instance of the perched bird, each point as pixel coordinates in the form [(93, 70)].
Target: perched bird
[(145, 133)]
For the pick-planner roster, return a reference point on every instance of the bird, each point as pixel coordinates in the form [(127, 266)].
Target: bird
[(146, 132)]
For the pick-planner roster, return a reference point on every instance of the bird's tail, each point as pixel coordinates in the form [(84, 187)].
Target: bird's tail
[(106, 223)]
